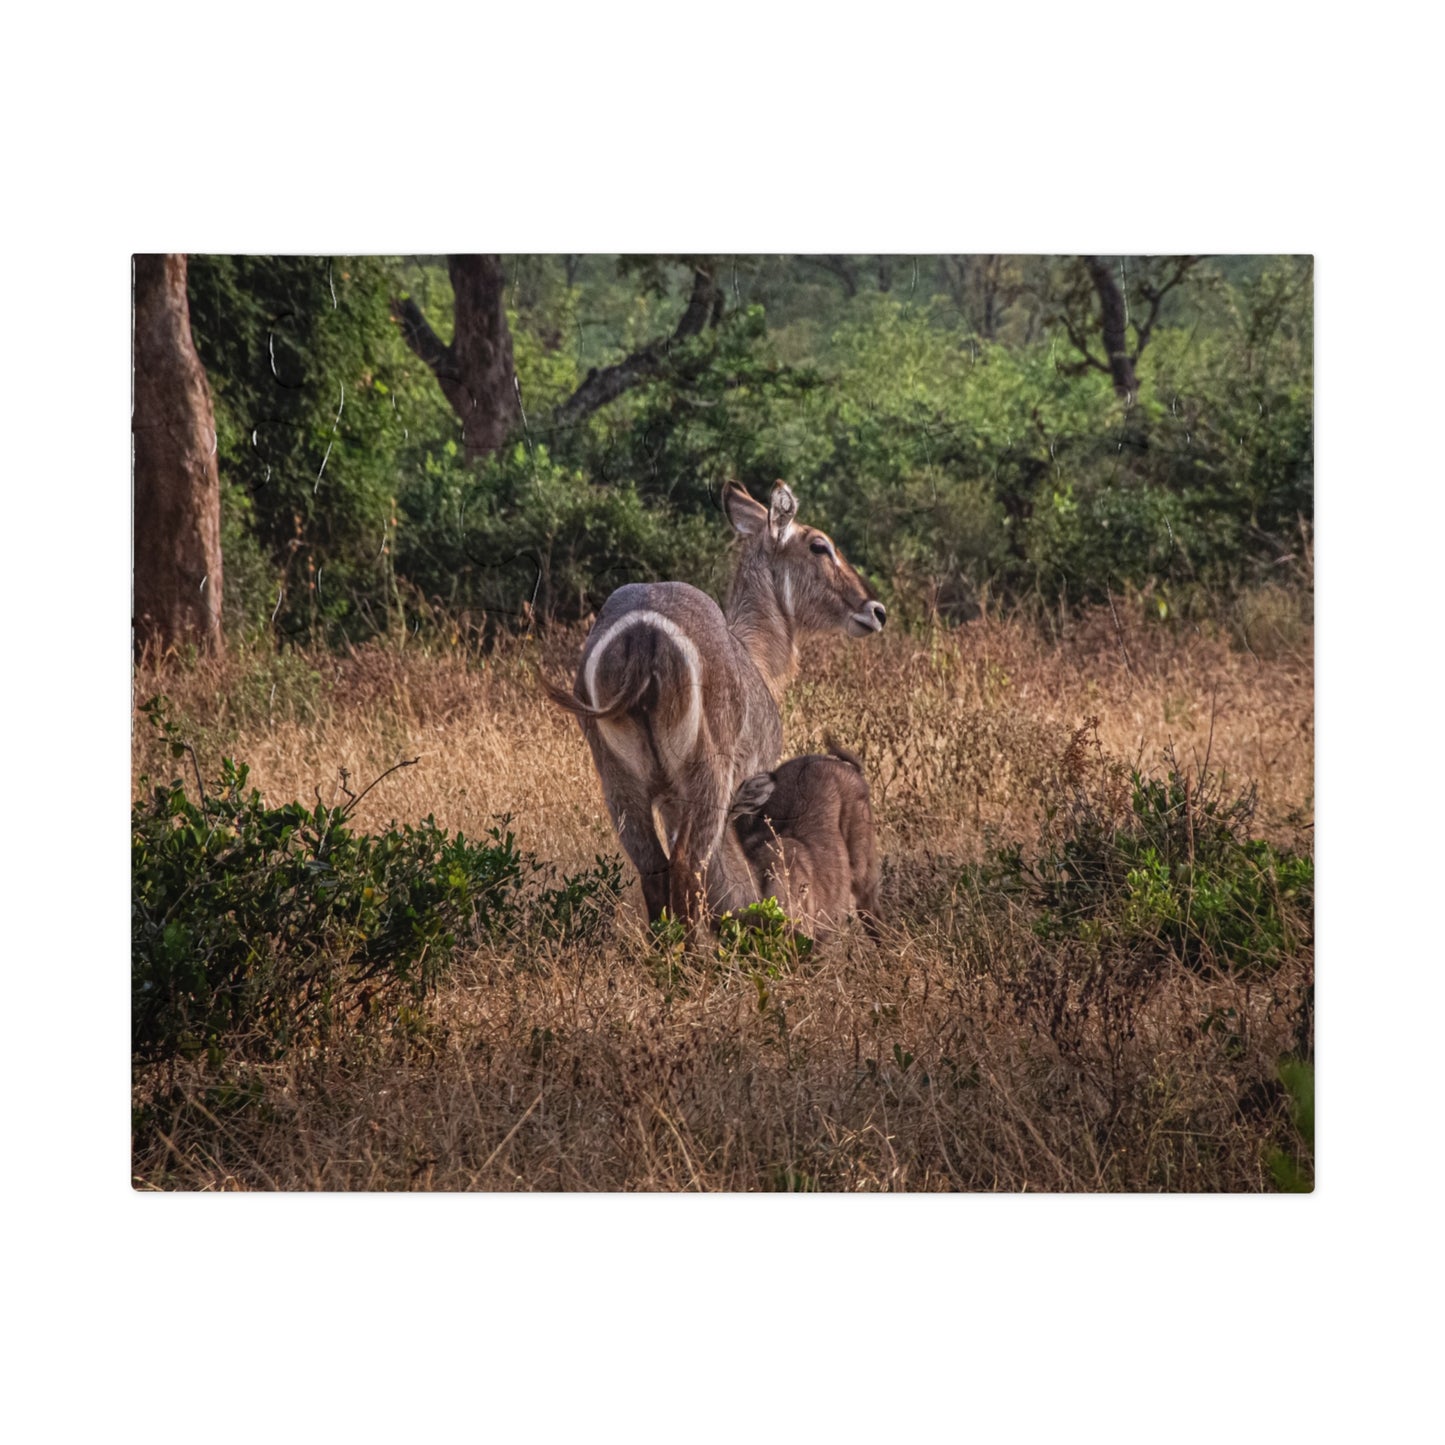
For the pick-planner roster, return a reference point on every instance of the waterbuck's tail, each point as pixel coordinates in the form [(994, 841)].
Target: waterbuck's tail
[(564, 697), (635, 685)]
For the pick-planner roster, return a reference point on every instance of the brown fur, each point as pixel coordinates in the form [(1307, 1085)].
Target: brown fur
[(678, 700), (806, 831)]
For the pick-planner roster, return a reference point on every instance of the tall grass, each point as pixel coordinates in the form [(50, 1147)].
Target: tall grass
[(971, 1049)]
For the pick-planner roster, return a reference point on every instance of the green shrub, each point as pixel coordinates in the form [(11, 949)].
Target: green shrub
[(273, 921), (1293, 1169), (724, 408), (579, 908), (319, 408), (762, 938), (1095, 537), (523, 535), (1166, 862)]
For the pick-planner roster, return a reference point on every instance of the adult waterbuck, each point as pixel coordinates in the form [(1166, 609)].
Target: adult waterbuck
[(679, 699), (806, 830)]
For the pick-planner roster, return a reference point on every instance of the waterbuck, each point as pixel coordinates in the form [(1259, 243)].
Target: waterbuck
[(806, 830), (679, 699)]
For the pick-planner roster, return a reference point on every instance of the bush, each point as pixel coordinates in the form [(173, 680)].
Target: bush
[(724, 408), (274, 921), (1093, 540), (1293, 1169), (762, 938), (1167, 863), (318, 405), (525, 536)]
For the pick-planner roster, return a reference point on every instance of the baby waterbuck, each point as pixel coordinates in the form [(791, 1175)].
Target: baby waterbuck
[(678, 698), (806, 831)]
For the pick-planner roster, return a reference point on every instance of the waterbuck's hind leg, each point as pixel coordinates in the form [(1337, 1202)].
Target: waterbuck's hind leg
[(698, 850), (628, 796), (687, 877), (868, 915), (632, 817), (731, 884)]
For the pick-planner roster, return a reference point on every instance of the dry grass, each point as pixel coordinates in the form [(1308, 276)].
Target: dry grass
[(964, 1053)]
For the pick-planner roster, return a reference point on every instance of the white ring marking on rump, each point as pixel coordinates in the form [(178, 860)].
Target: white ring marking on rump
[(676, 743)]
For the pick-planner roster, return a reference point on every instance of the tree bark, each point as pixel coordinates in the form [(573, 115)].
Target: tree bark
[(177, 586), (475, 371), (1114, 325), (988, 329)]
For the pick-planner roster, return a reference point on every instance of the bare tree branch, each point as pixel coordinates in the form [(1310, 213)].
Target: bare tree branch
[(704, 310), (417, 332), (1081, 345), (1155, 296)]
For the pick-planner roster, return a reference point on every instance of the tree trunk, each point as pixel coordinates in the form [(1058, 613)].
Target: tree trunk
[(1114, 325), (176, 488), (482, 349), (476, 371), (992, 266), (955, 279)]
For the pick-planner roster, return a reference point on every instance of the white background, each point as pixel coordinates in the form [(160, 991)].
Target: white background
[(1224, 127)]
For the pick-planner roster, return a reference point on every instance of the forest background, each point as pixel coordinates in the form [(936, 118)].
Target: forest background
[(476, 443), (374, 497)]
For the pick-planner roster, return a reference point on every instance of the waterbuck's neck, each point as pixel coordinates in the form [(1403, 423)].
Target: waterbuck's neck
[(756, 617)]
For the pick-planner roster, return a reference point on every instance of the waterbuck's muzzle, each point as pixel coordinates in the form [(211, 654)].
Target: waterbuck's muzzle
[(870, 618)]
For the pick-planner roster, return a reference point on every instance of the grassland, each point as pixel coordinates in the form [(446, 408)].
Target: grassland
[(968, 1050)]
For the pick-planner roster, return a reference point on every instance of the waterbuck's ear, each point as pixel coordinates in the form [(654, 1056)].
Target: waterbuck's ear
[(782, 511), (752, 793), (748, 517)]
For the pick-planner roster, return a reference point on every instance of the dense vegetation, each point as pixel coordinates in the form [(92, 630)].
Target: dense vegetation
[(1096, 969), (948, 418)]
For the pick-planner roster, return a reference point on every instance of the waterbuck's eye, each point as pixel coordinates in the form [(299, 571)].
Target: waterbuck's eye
[(820, 546)]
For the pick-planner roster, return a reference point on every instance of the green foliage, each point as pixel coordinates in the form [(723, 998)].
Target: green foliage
[(581, 906), (1202, 483), (1093, 540), (667, 954), (762, 939), (719, 411), (275, 921), (930, 450), (317, 401), (525, 536), (1293, 1169), (1166, 863), (932, 417)]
